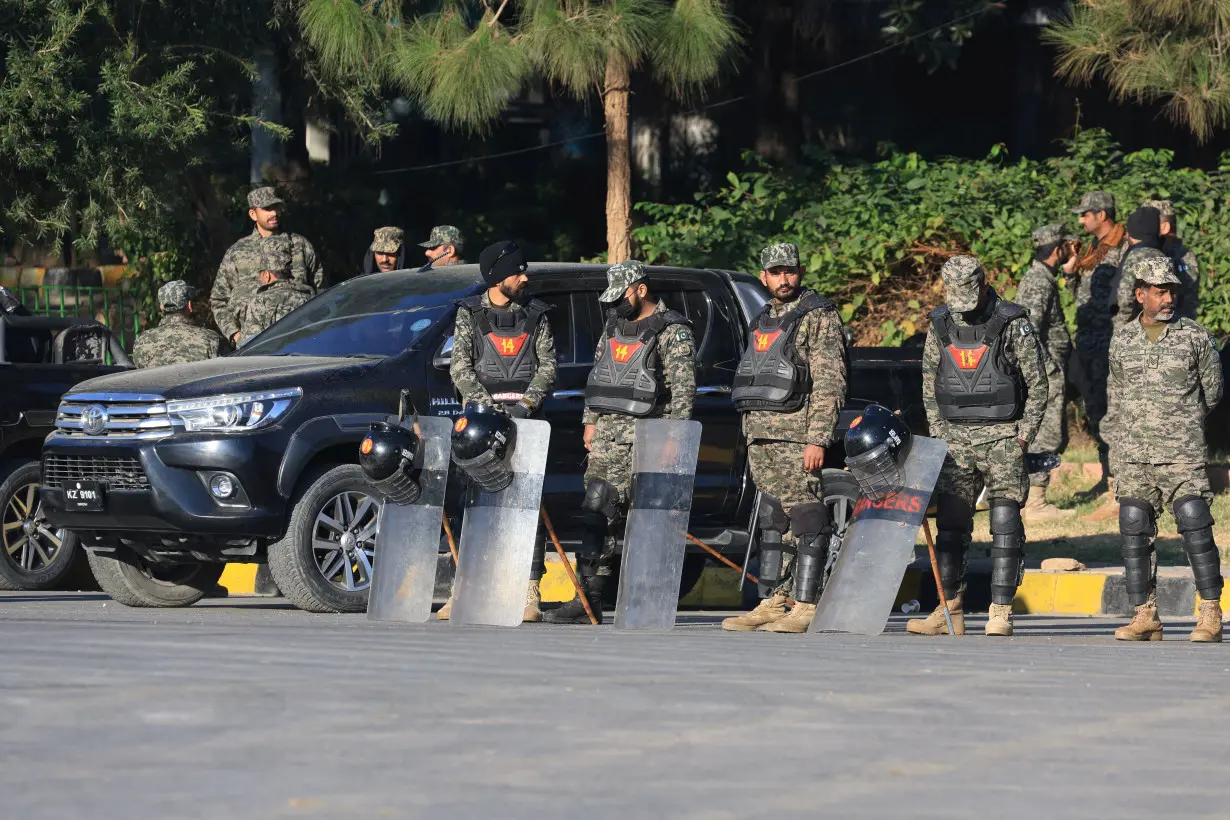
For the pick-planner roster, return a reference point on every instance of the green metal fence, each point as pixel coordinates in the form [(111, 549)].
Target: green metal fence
[(110, 306)]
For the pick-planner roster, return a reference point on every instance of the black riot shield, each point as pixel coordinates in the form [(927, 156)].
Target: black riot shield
[(663, 472), (878, 546), (408, 536), (497, 537)]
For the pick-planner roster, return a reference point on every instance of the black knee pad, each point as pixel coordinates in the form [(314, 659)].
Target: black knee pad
[(1137, 527), (1007, 550), (1136, 518), (1196, 526), (811, 527), (1005, 516), (772, 517), (598, 509), (1191, 512), (953, 514)]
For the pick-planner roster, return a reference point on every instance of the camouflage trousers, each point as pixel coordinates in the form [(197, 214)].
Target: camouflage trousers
[(777, 470), (1000, 465), (610, 459), (1162, 484), (1053, 434)]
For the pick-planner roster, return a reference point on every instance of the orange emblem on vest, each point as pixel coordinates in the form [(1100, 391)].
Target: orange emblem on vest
[(621, 352), (508, 345), (765, 340), (967, 358)]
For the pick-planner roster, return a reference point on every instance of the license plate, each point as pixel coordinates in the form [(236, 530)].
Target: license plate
[(83, 496)]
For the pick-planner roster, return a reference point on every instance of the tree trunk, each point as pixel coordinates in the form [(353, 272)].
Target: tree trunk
[(618, 165)]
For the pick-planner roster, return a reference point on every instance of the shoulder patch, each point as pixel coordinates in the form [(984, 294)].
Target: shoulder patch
[(683, 335)]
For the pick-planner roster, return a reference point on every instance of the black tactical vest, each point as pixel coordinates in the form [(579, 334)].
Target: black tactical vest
[(974, 384), (627, 376), (772, 375), (504, 357)]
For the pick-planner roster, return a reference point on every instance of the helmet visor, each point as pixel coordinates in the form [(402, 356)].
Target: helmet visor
[(876, 472)]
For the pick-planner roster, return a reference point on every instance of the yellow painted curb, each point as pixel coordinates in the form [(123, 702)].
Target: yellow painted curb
[(1078, 593), (239, 579)]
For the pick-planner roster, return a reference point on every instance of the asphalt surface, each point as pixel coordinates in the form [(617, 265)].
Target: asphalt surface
[(246, 709)]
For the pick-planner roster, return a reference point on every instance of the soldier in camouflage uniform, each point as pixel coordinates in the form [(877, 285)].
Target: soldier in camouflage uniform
[(278, 293), (443, 247), (1144, 240), (1165, 378), (1038, 293), (788, 423), (1186, 266), (176, 339), (504, 356), (239, 274), (1090, 273), (985, 390), (642, 342), (387, 251)]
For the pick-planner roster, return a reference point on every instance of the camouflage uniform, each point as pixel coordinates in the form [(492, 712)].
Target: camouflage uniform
[(465, 350), (1126, 308), (273, 301), (387, 240), (1186, 266), (446, 235), (1038, 293), (775, 441), (176, 339), (239, 273), (1160, 392)]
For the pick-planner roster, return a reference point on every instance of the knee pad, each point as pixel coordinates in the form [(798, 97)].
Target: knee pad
[(772, 517), (810, 524), (1136, 518), (601, 497), (1196, 526), (1005, 517), (1191, 512), (1137, 527), (953, 514), (1007, 550)]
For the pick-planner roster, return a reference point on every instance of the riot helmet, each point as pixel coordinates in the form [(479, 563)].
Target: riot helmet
[(876, 445), (386, 456), (482, 438)]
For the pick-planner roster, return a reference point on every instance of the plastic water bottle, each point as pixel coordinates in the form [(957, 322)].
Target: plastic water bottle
[(910, 607)]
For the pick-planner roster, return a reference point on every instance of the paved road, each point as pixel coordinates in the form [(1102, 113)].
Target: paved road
[(244, 709)]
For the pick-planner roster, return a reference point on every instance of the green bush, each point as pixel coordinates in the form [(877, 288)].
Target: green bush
[(858, 224)]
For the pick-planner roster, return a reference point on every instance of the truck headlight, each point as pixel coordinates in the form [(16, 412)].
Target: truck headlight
[(233, 413)]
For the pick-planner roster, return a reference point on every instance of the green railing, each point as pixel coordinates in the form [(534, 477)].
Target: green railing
[(110, 306)]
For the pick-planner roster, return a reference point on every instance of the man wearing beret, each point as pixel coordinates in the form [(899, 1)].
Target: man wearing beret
[(176, 339), (443, 247), (1165, 378), (985, 390), (504, 356), (387, 251), (788, 425), (239, 274)]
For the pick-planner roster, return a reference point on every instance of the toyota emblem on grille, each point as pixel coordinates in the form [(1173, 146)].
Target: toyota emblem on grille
[(94, 419)]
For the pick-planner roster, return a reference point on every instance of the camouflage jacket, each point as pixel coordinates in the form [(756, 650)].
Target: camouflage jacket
[(270, 303), (239, 277), (1094, 293), (1104, 256), (820, 343), (677, 358), (176, 340), (1158, 393), (1022, 350), (465, 352), (1039, 294), (1188, 271), (1124, 309)]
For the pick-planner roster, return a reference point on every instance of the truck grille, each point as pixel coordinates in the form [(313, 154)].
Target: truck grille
[(114, 415), (116, 472)]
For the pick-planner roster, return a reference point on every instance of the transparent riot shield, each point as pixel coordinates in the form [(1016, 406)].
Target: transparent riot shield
[(497, 537), (408, 537), (663, 472), (877, 548)]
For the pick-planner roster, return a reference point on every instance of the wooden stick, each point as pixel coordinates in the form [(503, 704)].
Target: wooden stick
[(721, 557), (935, 570), (546, 519), (448, 530)]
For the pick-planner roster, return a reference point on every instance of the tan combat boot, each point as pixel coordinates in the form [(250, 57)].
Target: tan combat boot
[(797, 621), (1146, 626), (934, 624), (533, 597), (1208, 622), (446, 611), (999, 621), (770, 610), (1037, 508)]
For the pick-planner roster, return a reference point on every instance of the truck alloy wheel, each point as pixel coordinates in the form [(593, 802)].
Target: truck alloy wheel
[(34, 556), (344, 540)]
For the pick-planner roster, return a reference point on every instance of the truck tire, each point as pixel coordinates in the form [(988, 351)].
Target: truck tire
[(32, 555), (317, 564), (133, 582)]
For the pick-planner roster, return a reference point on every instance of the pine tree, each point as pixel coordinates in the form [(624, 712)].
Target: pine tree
[(1152, 51)]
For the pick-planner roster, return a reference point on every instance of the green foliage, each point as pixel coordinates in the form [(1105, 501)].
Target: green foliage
[(867, 232)]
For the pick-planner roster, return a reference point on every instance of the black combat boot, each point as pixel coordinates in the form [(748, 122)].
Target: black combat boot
[(573, 612)]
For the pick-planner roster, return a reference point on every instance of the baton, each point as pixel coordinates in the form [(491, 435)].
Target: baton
[(751, 530), (546, 519), (448, 530), (935, 570), (722, 558)]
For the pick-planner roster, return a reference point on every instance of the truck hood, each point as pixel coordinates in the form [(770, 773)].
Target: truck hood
[(229, 374)]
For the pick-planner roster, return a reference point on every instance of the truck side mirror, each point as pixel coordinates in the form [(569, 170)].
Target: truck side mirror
[(444, 356)]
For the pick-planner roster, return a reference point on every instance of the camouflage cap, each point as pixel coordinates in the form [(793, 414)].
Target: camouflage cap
[(264, 198), (275, 254), (1156, 270), (388, 240), (1050, 234), (1163, 206), (619, 278), (175, 295), (783, 254), (443, 235), (963, 280), (1095, 201)]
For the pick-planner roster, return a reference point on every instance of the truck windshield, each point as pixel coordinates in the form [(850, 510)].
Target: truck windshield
[(377, 315)]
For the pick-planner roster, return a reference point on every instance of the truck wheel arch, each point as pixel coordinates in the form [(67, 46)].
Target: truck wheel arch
[(318, 436)]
